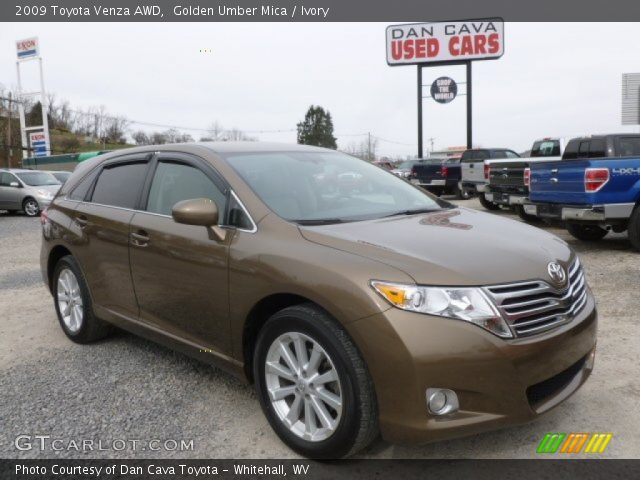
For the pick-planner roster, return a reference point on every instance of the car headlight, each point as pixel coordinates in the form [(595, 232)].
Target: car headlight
[(45, 194), (468, 303)]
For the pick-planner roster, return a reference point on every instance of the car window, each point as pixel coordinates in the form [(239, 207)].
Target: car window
[(628, 146), (327, 187), (237, 215), (546, 148), (511, 154), (598, 148), (38, 179), (467, 156), (6, 178), (119, 185), (174, 182), (583, 150), (81, 190), (481, 155), (571, 151)]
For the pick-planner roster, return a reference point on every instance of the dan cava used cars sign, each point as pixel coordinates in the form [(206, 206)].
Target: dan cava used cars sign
[(445, 41)]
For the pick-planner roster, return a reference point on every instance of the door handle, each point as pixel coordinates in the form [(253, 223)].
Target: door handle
[(82, 221), (140, 238), (554, 180), (554, 170)]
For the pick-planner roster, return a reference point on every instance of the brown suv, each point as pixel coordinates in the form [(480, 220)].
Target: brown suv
[(356, 302)]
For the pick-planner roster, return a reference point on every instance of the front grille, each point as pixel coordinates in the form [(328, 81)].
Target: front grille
[(539, 392), (535, 306)]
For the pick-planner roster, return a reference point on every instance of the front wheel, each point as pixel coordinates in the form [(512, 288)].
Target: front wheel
[(587, 233), (313, 385), (31, 207), (486, 203)]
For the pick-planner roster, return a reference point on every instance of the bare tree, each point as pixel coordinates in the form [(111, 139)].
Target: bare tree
[(216, 131), (235, 134), (141, 138)]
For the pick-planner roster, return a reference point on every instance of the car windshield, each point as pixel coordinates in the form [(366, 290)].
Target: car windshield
[(38, 179), (546, 148), (331, 187), (62, 176)]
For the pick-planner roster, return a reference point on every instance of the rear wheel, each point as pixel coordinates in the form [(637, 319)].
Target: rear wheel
[(313, 385), (525, 216), (30, 207), (587, 233), (486, 203), (634, 228), (461, 192), (73, 303)]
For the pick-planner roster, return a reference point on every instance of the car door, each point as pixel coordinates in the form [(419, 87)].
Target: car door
[(101, 226), (9, 195), (180, 271)]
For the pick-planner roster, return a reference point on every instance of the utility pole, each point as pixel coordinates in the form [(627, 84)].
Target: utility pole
[(369, 146), (9, 149), (431, 139)]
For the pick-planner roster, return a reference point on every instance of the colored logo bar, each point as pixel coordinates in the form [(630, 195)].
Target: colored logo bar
[(574, 443)]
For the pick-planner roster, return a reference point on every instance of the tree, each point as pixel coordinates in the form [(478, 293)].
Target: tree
[(317, 128), (141, 138)]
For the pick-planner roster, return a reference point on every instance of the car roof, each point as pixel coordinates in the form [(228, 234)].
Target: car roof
[(252, 147)]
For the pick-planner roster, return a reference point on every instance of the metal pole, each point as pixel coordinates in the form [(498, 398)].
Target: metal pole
[(469, 108), (23, 132), (420, 111), (9, 148), (45, 107)]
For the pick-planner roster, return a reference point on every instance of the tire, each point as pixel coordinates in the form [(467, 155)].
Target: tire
[(30, 207), (487, 204), (349, 427), (586, 232), (460, 192), (634, 228), (525, 216), (80, 325)]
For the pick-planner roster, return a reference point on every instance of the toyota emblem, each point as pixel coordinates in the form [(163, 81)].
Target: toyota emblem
[(557, 273)]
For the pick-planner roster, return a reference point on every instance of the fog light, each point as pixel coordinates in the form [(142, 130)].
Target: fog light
[(441, 401)]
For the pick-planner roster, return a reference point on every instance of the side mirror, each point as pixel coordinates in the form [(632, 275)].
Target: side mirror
[(199, 211), (14, 184)]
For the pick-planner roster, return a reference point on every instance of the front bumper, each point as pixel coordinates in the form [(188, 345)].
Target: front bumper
[(586, 213), (497, 381), (431, 183)]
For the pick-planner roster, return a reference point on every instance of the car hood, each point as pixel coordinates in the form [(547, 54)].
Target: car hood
[(458, 246)]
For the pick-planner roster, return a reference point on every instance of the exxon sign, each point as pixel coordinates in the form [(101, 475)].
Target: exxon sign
[(27, 48), (445, 42)]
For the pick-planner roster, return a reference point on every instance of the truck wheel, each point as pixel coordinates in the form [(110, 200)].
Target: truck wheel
[(587, 233), (487, 204), (525, 216), (313, 385), (634, 228)]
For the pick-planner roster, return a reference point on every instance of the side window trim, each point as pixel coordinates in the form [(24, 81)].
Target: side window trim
[(254, 227)]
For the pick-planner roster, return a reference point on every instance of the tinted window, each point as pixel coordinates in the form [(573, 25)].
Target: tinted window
[(546, 148), (120, 185), (511, 154), (174, 182), (628, 146), (467, 156), (571, 151), (81, 190), (6, 178), (237, 216), (598, 148), (481, 155), (583, 151)]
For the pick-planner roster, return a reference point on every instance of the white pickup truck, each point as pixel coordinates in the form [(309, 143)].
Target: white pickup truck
[(474, 171)]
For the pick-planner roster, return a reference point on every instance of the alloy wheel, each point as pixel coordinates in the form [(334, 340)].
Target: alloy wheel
[(70, 300), (303, 386), (31, 208)]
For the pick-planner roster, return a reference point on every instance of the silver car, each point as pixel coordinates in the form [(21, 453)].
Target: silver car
[(26, 190)]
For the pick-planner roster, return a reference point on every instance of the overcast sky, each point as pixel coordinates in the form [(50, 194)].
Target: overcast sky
[(554, 79)]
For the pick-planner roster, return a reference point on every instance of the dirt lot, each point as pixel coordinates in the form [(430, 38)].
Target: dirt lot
[(128, 388)]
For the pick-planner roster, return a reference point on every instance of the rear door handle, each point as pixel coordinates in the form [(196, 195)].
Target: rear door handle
[(140, 238), (554, 180)]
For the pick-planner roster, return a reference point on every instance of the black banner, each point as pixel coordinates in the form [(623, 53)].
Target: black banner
[(308, 469)]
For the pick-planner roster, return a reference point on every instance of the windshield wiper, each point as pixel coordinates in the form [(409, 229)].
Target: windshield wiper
[(318, 221), (415, 211)]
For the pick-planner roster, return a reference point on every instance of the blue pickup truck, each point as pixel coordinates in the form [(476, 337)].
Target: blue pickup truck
[(595, 188), (440, 176)]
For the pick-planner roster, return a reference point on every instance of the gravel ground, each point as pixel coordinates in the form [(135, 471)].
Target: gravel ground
[(126, 388)]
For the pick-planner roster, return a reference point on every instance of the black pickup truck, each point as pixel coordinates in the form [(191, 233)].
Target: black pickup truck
[(508, 182), (441, 176)]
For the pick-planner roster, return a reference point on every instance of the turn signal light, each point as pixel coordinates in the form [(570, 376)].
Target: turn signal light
[(487, 171), (444, 171), (595, 179)]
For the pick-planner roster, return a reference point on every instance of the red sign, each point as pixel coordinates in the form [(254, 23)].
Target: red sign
[(444, 42)]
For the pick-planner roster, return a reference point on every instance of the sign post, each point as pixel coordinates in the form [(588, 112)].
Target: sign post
[(445, 43), (27, 50)]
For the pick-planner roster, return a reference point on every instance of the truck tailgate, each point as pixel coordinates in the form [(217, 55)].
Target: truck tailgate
[(473, 172)]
